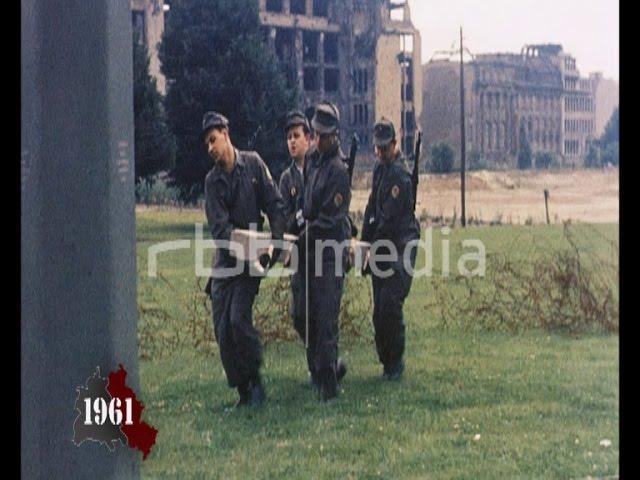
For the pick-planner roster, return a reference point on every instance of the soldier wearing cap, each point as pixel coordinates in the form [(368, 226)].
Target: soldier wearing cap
[(389, 216), (298, 135), (237, 189), (325, 211)]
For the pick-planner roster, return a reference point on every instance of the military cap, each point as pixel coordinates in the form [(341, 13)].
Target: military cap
[(309, 112), (212, 120), (383, 132), (296, 118), (326, 118)]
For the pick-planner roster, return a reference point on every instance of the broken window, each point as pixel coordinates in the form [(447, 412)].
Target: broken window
[(298, 7), (331, 48), (310, 78), (397, 14), (310, 46), (274, 6), (360, 79), (137, 21), (290, 73), (331, 80), (285, 41), (321, 8)]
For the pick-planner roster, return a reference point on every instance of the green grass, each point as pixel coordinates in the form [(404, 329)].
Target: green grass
[(540, 402)]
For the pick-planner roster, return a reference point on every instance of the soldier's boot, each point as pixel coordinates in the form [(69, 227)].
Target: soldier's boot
[(314, 380), (243, 391), (257, 393), (328, 384), (393, 371), (341, 370)]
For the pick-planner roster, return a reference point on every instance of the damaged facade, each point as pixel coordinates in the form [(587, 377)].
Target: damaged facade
[(540, 88), (147, 21), (362, 55)]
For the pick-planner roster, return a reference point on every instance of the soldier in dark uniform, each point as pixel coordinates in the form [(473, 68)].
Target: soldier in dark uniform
[(389, 216), (327, 196), (237, 189), (292, 189)]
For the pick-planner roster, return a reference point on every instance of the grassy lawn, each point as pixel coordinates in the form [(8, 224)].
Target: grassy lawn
[(471, 405)]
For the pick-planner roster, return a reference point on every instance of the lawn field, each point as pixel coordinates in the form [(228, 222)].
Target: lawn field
[(472, 404)]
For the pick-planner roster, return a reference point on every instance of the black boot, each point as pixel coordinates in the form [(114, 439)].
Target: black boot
[(341, 370), (257, 393), (313, 379), (243, 391), (393, 371), (328, 384)]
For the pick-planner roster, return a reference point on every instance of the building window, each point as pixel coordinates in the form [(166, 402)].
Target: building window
[(331, 48), (284, 42), (331, 80), (396, 14), (298, 7), (360, 81), (310, 46), (321, 8), (274, 6), (139, 27), (408, 94), (310, 79)]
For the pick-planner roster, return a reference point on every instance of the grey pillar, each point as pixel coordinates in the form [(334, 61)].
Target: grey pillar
[(78, 260)]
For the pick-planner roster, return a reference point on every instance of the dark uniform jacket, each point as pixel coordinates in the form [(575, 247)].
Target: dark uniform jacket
[(292, 191), (389, 212), (327, 196), (235, 201)]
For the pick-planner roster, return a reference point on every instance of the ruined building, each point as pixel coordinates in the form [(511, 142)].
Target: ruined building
[(147, 20), (539, 88), (362, 55)]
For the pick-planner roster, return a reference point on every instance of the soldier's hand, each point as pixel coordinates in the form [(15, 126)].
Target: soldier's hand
[(366, 265), (275, 255), (264, 260), (299, 219)]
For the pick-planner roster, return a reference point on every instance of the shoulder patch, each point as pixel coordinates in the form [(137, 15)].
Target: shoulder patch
[(395, 191), (338, 199)]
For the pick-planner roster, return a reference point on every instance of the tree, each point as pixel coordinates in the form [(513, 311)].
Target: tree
[(524, 149), (545, 160), (609, 141), (442, 158), (214, 58), (592, 158), (611, 132), (477, 160), (154, 144)]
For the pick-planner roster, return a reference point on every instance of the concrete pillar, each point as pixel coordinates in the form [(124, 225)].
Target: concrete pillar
[(78, 259)]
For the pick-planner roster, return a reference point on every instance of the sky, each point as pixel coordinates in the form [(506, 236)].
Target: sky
[(587, 29)]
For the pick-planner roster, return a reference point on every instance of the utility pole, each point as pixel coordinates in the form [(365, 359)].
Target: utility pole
[(462, 132)]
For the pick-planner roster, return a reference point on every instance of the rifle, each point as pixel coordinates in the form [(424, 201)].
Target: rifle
[(252, 141), (351, 162), (416, 167)]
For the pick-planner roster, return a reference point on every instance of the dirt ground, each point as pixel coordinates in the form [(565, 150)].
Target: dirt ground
[(516, 196)]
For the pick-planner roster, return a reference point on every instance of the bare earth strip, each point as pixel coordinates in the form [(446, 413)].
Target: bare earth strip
[(590, 196), (514, 196)]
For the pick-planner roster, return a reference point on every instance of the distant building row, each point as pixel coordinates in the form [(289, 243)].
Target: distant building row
[(539, 89)]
